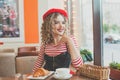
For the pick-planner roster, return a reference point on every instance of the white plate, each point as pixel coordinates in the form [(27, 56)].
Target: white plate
[(62, 77), (41, 77)]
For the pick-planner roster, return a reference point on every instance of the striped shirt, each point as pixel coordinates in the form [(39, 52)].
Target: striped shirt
[(54, 50)]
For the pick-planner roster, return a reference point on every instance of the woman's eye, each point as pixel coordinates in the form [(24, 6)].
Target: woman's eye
[(63, 22), (56, 22)]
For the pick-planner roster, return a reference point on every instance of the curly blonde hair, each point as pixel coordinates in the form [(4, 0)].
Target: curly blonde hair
[(46, 29)]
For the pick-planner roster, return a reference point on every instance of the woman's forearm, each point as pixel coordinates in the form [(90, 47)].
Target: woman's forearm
[(75, 54)]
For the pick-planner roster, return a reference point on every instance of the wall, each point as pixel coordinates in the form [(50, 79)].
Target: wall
[(31, 21), (47, 4), (37, 10), (33, 11)]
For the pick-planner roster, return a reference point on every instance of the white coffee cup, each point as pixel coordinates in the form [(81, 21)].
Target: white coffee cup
[(62, 72)]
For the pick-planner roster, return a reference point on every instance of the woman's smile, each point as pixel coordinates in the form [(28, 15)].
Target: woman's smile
[(60, 30)]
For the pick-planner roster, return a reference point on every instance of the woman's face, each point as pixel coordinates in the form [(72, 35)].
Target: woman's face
[(58, 26)]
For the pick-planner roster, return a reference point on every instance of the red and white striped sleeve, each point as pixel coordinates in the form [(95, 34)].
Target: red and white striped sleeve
[(77, 62), (74, 41), (40, 59)]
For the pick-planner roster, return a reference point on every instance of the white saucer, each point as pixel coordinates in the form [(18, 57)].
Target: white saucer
[(62, 77)]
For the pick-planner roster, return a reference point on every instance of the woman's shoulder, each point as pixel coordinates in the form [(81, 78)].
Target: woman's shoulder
[(42, 46), (72, 37)]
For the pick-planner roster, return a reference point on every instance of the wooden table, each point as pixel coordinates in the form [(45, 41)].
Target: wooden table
[(9, 78), (24, 77), (74, 77), (16, 77)]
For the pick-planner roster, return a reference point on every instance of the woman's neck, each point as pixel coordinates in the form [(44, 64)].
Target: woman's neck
[(57, 39)]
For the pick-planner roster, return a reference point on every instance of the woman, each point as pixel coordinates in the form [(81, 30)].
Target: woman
[(58, 48)]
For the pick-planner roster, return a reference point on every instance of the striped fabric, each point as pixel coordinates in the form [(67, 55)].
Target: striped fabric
[(77, 62), (54, 50)]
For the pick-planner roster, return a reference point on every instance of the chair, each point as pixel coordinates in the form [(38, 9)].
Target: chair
[(7, 62), (25, 64), (27, 51), (25, 59)]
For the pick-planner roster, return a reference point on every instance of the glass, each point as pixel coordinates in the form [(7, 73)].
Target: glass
[(81, 22), (86, 24), (111, 31)]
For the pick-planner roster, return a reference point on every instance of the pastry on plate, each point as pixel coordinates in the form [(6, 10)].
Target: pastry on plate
[(40, 72)]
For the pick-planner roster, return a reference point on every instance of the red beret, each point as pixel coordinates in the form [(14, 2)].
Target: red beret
[(50, 11)]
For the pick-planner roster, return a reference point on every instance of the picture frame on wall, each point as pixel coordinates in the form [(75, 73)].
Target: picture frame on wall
[(11, 21)]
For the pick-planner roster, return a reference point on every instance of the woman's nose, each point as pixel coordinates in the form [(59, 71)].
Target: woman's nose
[(61, 25)]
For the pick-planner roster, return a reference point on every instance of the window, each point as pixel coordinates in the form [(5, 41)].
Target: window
[(81, 22), (111, 31)]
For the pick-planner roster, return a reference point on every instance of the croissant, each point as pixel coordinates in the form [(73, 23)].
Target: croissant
[(40, 72)]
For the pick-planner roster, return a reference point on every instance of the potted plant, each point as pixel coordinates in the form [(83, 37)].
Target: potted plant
[(86, 55), (115, 71)]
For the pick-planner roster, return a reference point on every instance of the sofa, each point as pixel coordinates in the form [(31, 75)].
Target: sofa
[(22, 61)]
